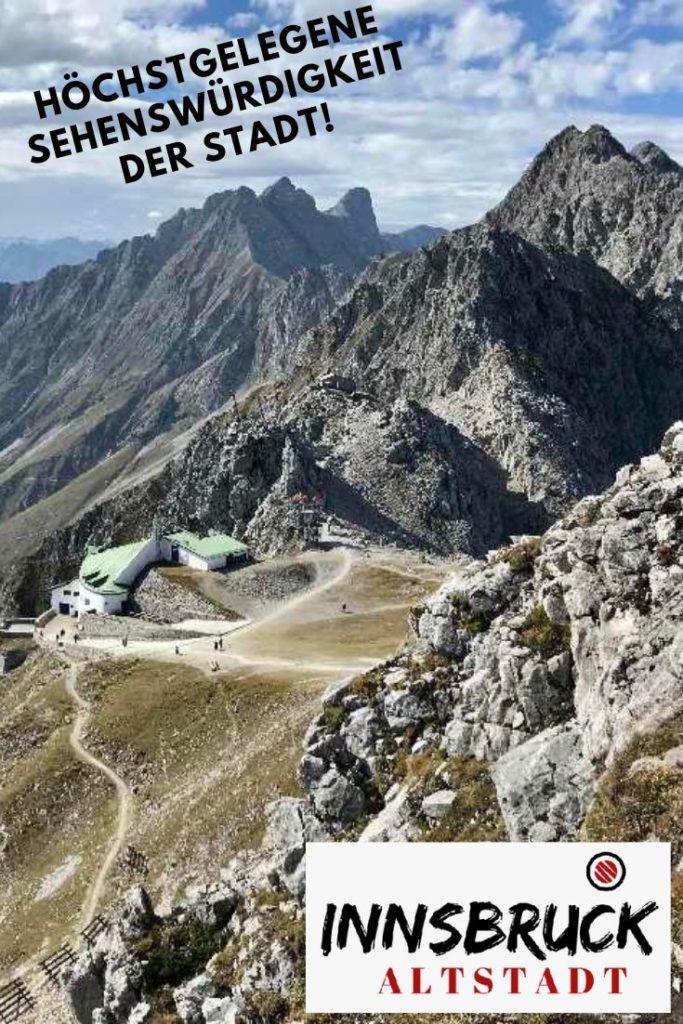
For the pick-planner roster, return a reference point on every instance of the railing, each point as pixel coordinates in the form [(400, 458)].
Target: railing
[(15, 1001), (52, 966)]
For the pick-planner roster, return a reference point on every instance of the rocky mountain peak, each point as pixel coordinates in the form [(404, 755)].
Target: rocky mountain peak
[(598, 142), (653, 157), (356, 206), (356, 209), (572, 146), (623, 210), (283, 193)]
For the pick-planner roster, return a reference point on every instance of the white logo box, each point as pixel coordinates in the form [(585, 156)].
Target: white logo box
[(498, 979)]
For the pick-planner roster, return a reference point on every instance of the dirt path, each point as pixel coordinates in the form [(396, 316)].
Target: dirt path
[(123, 792), (203, 646)]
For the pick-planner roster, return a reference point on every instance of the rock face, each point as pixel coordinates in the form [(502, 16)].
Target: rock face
[(559, 388), (388, 471), (526, 676), (157, 332), (555, 652), (624, 210)]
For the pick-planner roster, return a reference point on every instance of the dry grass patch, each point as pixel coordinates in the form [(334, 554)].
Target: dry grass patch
[(543, 636), (55, 814), (644, 804), (204, 755), (521, 557)]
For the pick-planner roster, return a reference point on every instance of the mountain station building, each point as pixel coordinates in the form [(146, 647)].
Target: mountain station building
[(106, 576)]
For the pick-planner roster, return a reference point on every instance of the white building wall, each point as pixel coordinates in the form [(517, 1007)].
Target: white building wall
[(192, 560), (68, 593), (216, 563), (100, 604)]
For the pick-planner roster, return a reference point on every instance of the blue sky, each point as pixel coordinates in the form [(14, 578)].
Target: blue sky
[(486, 83)]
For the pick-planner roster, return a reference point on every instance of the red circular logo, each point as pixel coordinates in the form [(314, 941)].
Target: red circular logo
[(606, 871)]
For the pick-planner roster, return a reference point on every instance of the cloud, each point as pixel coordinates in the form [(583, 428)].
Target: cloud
[(478, 32), (387, 11), (481, 92), (586, 21), (40, 37), (658, 12)]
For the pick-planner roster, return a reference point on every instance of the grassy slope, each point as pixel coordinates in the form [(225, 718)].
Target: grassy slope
[(203, 754), (51, 809)]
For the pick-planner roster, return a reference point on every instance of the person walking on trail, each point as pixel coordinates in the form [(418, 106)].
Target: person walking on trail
[(177, 649), (220, 643), (343, 608), (215, 645)]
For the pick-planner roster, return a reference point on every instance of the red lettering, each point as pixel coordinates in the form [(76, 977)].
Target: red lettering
[(482, 977), (574, 977), (390, 980), (452, 973), (614, 975), (547, 981), (515, 974), (417, 983)]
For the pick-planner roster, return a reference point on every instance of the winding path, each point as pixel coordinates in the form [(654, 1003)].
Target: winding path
[(123, 792)]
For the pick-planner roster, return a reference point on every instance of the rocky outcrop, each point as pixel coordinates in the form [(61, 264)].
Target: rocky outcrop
[(558, 390), (159, 598), (556, 652), (526, 677), (624, 210)]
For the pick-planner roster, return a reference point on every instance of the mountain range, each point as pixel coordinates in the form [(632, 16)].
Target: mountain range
[(487, 379), (27, 259), (156, 333)]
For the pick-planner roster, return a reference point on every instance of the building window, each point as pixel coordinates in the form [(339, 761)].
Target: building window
[(87, 600), (67, 593)]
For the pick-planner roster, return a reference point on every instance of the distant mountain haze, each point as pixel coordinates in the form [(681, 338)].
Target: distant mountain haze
[(27, 259)]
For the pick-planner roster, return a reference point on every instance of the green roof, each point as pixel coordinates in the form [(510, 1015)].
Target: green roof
[(208, 547), (101, 569)]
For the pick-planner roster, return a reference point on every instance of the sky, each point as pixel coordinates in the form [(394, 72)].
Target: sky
[(485, 84)]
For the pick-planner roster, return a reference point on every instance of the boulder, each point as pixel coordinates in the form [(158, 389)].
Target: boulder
[(290, 824), (437, 806), (220, 1011), (544, 786), (191, 997), (137, 912), (337, 799)]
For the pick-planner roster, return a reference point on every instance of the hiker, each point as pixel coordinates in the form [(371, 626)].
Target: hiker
[(344, 608), (215, 645), (177, 649), (220, 643)]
